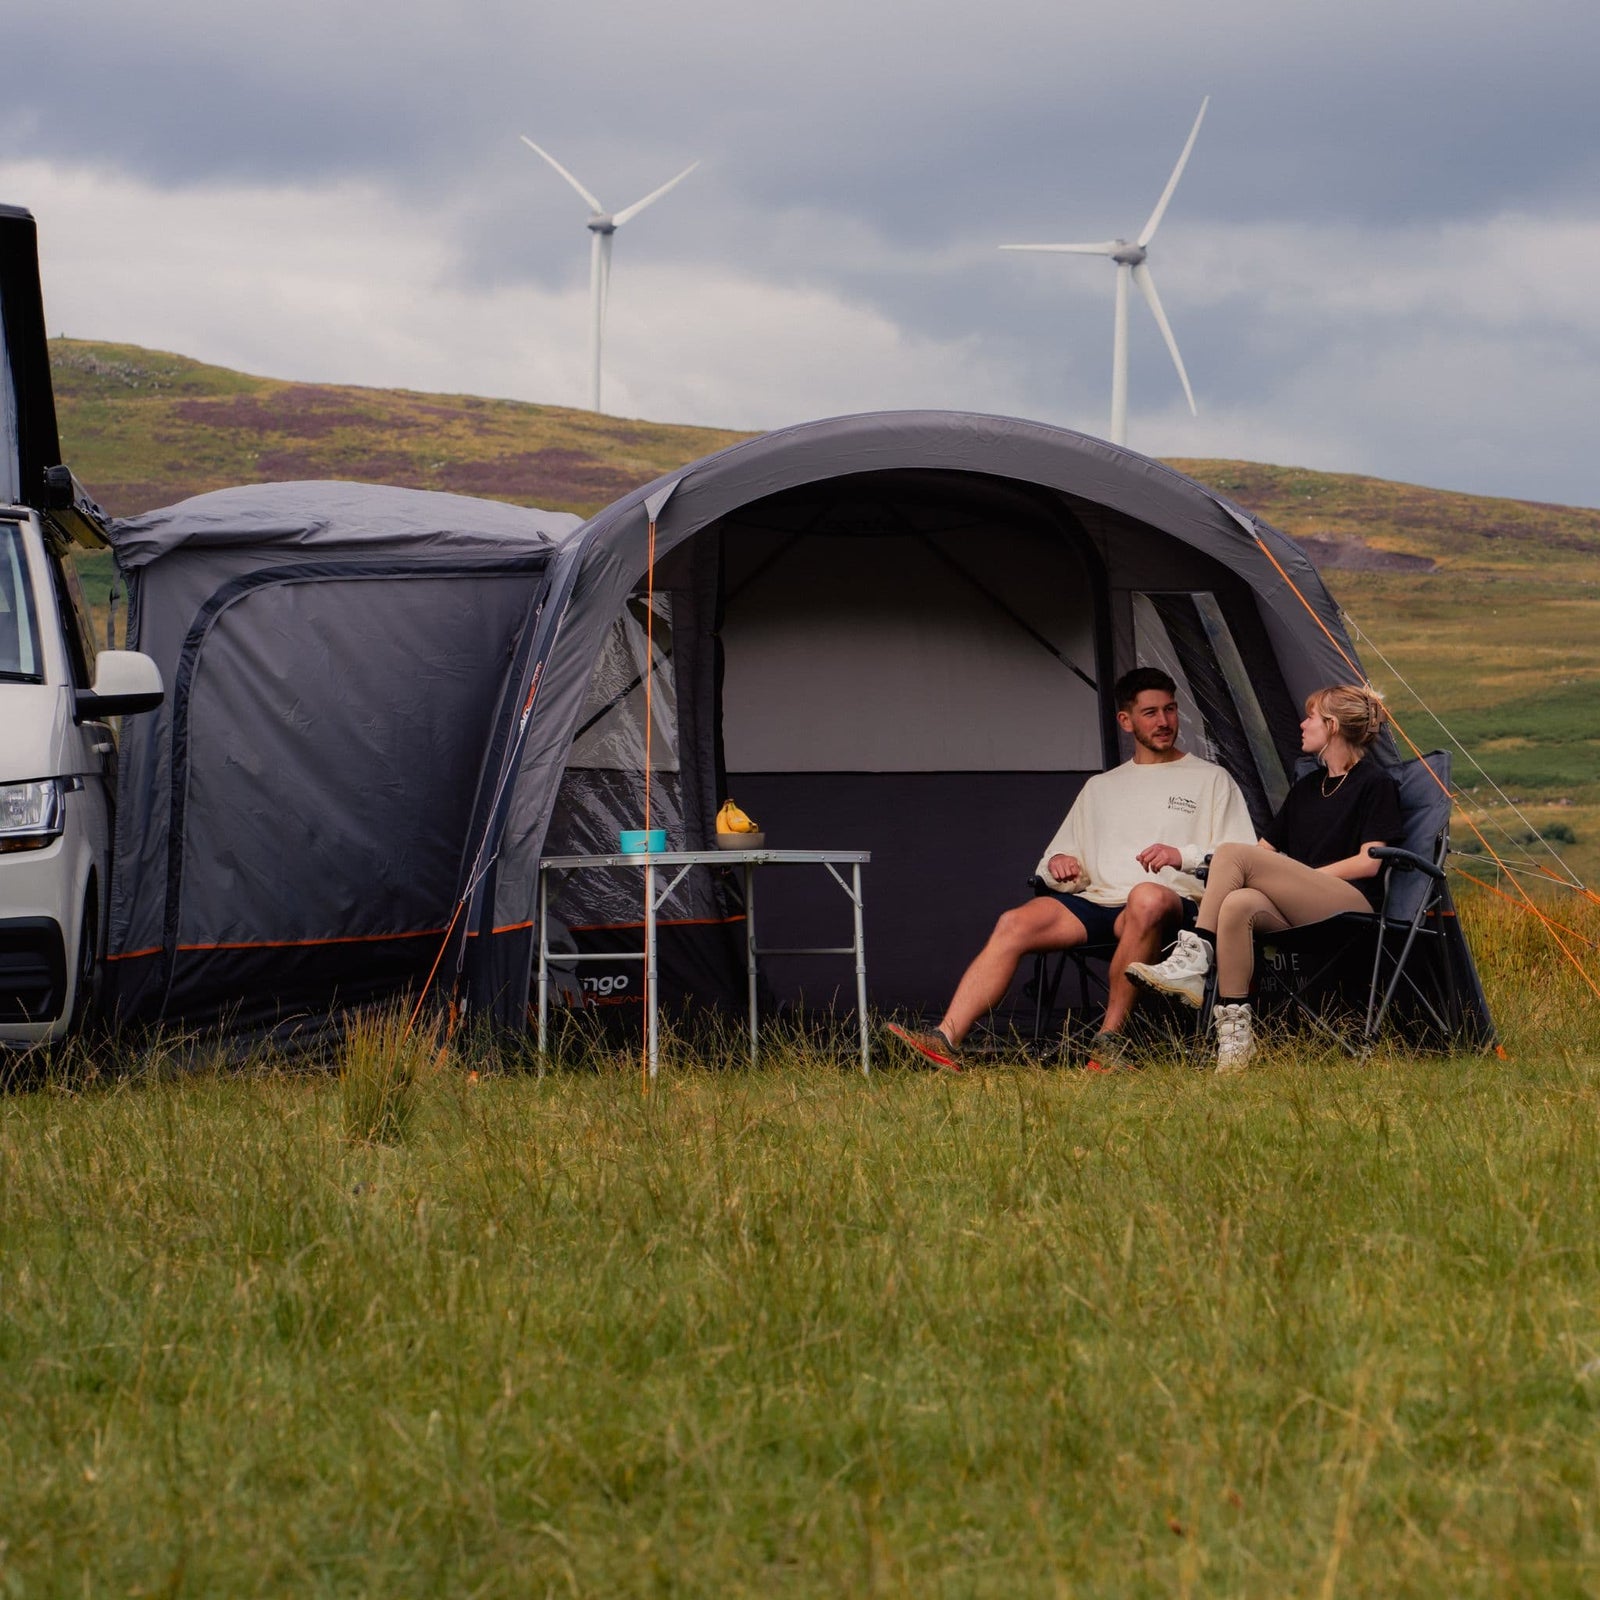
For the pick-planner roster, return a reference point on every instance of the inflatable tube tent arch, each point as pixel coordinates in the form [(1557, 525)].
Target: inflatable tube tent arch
[(895, 632)]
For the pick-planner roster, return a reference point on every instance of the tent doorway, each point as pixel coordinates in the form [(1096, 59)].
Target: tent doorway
[(917, 664)]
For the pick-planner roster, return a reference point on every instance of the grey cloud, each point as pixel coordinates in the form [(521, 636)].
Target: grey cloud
[(884, 150), (908, 113)]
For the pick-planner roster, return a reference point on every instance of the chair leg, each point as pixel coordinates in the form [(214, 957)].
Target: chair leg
[(1045, 989), (1208, 1001)]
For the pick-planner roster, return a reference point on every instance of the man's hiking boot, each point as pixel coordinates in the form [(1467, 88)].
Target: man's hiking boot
[(1183, 973), (934, 1049), (1235, 1046), (1110, 1052)]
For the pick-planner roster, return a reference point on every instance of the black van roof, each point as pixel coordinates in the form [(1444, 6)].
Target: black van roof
[(37, 446)]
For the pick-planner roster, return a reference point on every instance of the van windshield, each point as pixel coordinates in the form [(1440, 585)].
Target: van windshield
[(19, 636)]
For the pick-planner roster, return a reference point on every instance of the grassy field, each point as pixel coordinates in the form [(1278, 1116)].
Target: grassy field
[(1326, 1329)]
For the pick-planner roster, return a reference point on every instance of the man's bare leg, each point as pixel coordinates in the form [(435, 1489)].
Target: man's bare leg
[(1148, 922), (1041, 924)]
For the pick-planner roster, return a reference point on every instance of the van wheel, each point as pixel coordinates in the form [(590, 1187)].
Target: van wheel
[(83, 994)]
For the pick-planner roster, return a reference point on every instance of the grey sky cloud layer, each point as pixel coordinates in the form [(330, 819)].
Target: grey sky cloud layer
[(1380, 259)]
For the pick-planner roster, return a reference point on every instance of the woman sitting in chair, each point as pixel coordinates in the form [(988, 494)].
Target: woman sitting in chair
[(1311, 863)]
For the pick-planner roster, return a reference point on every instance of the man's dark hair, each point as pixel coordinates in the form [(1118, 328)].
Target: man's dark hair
[(1133, 684)]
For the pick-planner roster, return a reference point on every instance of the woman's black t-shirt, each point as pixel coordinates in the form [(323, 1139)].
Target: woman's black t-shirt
[(1317, 827)]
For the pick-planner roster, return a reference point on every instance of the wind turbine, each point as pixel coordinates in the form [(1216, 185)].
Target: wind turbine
[(1130, 260), (602, 224)]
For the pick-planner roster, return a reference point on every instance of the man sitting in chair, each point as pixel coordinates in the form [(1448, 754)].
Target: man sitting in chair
[(1109, 882)]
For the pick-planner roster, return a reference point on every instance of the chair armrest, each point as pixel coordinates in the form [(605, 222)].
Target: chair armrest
[(1407, 860)]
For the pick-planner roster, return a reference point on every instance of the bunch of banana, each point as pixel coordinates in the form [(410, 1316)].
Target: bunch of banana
[(730, 819)]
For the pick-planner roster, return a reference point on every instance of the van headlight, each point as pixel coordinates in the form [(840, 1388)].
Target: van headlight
[(30, 814)]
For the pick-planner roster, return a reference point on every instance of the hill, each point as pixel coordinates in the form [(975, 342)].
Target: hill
[(1488, 609), (143, 428)]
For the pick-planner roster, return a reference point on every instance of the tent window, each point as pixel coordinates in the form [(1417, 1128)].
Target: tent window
[(611, 731), (1186, 634)]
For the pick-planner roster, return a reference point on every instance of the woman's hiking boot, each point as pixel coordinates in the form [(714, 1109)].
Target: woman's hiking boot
[(1235, 1046)]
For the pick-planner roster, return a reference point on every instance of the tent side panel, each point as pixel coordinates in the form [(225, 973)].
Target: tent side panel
[(328, 723)]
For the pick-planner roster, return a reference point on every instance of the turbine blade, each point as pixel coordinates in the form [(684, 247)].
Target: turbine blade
[(638, 205), (1147, 287), (589, 200), (1110, 247), (1149, 231), (605, 275)]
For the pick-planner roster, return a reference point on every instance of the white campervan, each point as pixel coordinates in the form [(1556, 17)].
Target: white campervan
[(57, 749)]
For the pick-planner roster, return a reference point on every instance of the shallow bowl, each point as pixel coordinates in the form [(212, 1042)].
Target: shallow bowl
[(636, 842)]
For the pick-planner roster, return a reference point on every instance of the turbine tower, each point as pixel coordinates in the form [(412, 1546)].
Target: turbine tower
[(1130, 259), (602, 225)]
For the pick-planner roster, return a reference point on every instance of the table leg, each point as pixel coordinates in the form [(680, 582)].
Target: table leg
[(861, 967), (544, 962), (750, 953), (652, 1034)]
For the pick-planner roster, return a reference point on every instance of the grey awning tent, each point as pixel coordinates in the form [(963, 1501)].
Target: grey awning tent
[(894, 632), (292, 820)]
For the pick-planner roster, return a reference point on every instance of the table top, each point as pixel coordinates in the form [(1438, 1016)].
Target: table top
[(713, 858)]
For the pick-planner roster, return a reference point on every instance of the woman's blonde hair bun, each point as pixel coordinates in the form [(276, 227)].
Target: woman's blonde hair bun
[(1356, 709)]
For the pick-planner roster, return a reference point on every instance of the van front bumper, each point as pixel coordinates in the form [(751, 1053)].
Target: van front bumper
[(41, 892), (33, 972)]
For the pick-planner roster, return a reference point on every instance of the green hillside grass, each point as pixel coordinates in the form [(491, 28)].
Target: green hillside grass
[(1323, 1329), (1500, 637), (143, 428)]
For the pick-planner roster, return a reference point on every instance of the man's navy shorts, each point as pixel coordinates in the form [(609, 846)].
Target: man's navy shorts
[(1099, 921)]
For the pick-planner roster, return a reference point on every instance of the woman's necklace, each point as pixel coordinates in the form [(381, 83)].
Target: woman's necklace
[(1327, 793)]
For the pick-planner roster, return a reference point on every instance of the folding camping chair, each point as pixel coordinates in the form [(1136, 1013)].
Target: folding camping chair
[(1324, 969), (1043, 987), (1045, 984)]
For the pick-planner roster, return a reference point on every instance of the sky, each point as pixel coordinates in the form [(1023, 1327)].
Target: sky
[(1382, 257)]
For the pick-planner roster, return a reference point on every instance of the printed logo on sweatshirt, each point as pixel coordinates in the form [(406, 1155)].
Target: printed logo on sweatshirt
[(1181, 802)]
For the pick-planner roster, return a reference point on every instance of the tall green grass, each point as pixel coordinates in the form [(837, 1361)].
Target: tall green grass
[(1537, 949), (383, 1062), (1326, 1329)]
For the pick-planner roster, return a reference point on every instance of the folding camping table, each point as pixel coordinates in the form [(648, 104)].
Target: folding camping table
[(683, 861)]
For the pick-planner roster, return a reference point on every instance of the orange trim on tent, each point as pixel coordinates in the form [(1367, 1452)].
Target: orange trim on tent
[(300, 944), (646, 882)]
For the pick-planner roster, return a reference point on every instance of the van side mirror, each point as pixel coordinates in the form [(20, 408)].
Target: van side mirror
[(125, 682)]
